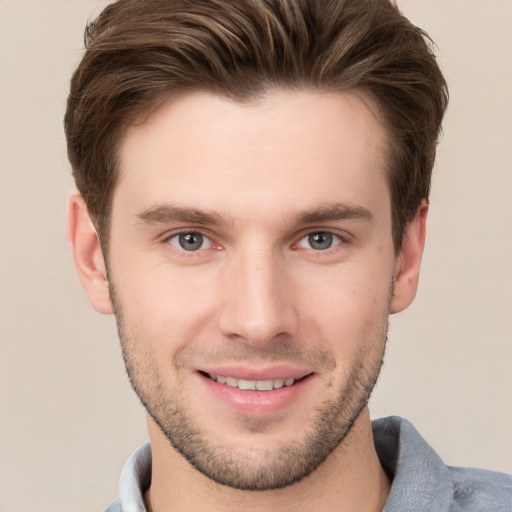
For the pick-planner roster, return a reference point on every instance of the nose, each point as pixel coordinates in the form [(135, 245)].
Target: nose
[(257, 305)]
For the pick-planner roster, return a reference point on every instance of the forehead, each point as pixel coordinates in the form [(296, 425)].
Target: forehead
[(296, 149)]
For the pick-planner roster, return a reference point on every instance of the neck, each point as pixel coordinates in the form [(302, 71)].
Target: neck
[(350, 479)]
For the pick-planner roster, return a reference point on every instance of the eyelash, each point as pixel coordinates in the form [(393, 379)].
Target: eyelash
[(337, 240), (177, 234), (328, 234)]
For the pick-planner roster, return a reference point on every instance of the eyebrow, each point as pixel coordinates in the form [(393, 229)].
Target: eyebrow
[(334, 212), (166, 213)]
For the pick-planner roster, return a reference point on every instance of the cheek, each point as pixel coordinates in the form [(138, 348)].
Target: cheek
[(164, 307), (347, 307)]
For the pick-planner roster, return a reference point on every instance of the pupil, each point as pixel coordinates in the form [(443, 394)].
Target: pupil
[(191, 241), (320, 241)]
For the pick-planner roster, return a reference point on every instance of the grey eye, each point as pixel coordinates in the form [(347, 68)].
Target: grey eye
[(320, 241), (192, 241)]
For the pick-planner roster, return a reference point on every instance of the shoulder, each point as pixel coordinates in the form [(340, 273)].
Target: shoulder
[(135, 479), (481, 490), (115, 507), (422, 482)]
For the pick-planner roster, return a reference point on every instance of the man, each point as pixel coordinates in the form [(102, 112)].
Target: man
[(253, 185)]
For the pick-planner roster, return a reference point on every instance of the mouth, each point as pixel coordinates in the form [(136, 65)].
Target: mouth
[(256, 392), (254, 385)]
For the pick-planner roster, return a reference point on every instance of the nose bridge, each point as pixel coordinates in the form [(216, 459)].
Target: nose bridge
[(257, 304)]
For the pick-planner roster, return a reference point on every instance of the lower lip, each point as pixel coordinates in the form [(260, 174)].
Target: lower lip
[(257, 403)]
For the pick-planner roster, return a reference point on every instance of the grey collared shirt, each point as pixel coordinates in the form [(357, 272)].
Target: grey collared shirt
[(421, 482)]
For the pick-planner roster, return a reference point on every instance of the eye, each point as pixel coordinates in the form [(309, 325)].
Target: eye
[(190, 241), (320, 241)]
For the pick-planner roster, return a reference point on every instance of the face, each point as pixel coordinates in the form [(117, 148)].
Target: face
[(251, 265)]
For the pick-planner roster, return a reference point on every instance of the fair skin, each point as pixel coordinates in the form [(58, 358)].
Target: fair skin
[(254, 242)]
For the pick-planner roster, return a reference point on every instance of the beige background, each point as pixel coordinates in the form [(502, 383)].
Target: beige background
[(68, 419)]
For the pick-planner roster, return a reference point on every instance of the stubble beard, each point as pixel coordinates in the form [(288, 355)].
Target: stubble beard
[(256, 469)]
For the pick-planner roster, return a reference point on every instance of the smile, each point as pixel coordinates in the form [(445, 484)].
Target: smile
[(255, 385)]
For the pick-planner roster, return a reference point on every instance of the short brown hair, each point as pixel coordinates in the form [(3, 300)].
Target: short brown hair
[(140, 52)]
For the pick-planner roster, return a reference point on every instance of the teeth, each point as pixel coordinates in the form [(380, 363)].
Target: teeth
[(265, 385), (231, 381), (255, 385), (246, 384), (278, 383)]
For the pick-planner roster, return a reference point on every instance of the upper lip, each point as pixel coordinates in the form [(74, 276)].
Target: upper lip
[(252, 373)]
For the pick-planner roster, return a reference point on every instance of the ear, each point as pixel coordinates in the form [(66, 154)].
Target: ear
[(86, 249), (408, 261)]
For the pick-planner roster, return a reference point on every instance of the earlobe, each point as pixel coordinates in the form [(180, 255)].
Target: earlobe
[(408, 261), (87, 253)]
